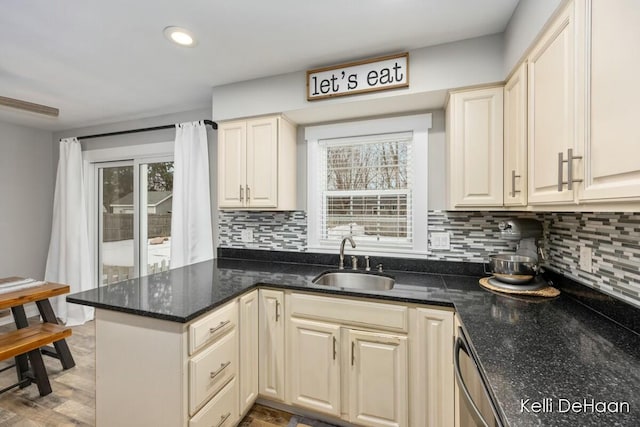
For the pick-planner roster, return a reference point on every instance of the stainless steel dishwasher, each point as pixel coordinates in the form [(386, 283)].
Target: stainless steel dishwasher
[(476, 407)]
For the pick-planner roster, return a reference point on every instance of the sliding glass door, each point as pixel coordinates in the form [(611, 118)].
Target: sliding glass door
[(134, 218)]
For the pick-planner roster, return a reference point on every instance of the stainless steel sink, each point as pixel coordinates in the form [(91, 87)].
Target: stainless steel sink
[(355, 280)]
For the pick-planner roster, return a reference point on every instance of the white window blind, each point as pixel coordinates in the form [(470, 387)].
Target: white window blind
[(366, 186)]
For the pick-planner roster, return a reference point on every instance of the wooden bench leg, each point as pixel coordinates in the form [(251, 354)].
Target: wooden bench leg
[(39, 372), (62, 349), (22, 363)]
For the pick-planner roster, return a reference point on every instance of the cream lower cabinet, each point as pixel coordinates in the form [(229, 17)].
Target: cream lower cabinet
[(248, 364), (314, 365), (271, 342), (378, 380), (370, 363)]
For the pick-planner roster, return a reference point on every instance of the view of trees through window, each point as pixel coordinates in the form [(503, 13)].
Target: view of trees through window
[(368, 189)]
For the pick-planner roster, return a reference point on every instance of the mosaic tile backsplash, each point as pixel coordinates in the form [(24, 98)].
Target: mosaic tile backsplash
[(613, 237)]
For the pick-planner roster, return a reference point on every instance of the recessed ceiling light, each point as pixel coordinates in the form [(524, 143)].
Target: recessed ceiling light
[(180, 36)]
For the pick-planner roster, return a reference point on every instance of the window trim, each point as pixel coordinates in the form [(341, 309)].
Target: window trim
[(419, 125)]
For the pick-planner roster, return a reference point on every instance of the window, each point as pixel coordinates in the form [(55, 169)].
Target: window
[(370, 186), (130, 195)]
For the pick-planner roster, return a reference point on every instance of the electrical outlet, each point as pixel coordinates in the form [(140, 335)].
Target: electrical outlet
[(247, 235), (586, 263), (440, 241)]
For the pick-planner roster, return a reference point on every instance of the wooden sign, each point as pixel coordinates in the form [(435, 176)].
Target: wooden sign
[(369, 75)]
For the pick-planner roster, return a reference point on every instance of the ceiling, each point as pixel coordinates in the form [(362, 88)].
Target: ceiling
[(108, 61)]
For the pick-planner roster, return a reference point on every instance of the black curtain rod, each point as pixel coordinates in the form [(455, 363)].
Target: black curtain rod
[(211, 123)]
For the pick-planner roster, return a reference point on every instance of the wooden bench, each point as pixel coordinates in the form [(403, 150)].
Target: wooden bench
[(28, 341)]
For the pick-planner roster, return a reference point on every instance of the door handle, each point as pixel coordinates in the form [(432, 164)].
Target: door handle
[(248, 193), (241, 193), (353, 353), (569, 162), (513, 183), (335, 352), (277, 310)]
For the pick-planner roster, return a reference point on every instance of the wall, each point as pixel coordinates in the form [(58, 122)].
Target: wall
[(148, 138), (527, 21), (26, 200), (463, 63)]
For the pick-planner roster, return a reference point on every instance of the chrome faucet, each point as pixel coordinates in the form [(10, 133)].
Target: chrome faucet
[(353, 245)]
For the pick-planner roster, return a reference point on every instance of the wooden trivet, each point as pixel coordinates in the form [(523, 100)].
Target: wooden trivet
[(547, 292)]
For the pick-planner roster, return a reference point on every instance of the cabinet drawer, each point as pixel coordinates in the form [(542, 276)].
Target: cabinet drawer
[(211, 369), (350, 312), (221, 411), (213, 325)]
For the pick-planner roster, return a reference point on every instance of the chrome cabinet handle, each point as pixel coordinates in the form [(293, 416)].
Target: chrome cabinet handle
[(513, 183), (223, 418), (277, 310), (353, 353), (335, 352), (569, 161), (220, 326), (248, 193), (241, 193), (217, 372)]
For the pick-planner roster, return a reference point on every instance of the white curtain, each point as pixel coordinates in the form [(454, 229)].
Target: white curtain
[(69, 261), (191, 239)]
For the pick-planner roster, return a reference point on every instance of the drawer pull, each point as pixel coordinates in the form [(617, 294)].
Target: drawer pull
[(223, 418), (214, 374), (220, 326)]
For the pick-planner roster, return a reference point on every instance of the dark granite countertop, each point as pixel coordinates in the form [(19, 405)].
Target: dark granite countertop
[(527, 348)]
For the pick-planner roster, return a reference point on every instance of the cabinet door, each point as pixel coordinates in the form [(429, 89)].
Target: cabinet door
[(378, 388), (248, 325), (232, 141), (551, 110), (262, 163), (515, 138), (431, 366), (475, 148), (271, 344), (314, 368), (612, 151)]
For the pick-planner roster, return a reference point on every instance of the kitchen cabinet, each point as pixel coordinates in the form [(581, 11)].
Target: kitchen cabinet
[(248, 354), (358, 349), (314, 368), (378, 380), (515, 138), (553, 129), (192, 369), (611, 149), (271, 343), (432, 394), (257, 164), (475, 148)]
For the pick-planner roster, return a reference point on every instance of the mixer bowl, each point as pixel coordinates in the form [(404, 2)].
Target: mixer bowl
[(512, 268)]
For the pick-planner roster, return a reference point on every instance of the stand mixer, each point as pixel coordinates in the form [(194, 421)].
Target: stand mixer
[(519, 270)]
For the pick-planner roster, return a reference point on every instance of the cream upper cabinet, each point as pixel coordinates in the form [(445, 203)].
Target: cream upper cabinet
[(431, 365), (314, 365), (257, 164), (552, 104), (515, 138), (612, 142), (271, 344), (378, 379), (248, 354), (475, 148)]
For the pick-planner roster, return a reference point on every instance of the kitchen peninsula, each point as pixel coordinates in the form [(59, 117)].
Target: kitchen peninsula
[(149, 344)]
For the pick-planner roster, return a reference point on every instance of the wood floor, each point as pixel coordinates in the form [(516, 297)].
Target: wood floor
[(72, 402)]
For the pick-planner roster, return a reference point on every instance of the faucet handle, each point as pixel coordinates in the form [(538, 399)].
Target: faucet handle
[(367, 265), (354, 262), (379, 267)]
